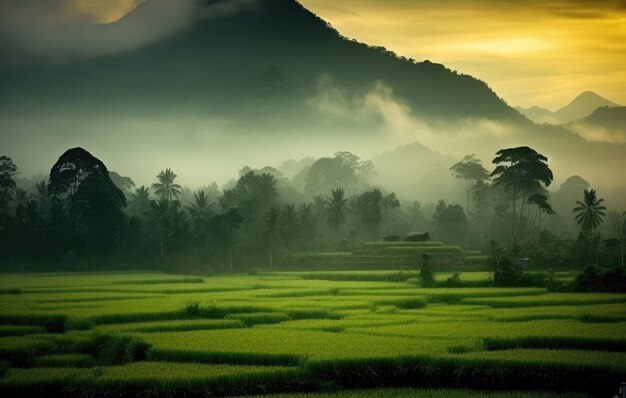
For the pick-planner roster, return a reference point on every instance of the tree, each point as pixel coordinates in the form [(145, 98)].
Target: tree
[(336, 209), (200, 211), (7, 170), (166, 189), (70, 170), (589, 216), (222, 227), (126, 184), (201, 208), (98, 207), (140, 201), (618, 222), (522, 171), (589, 212), (543, 207), (42, 197), (451, 221), (470, 171), (331, 173), (370, 205), (271, 229), (168, 224)]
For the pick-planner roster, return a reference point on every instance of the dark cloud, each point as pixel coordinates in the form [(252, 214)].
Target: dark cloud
[(51, 30)]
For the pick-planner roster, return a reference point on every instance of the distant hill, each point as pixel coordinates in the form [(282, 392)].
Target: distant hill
[(582, 106), (608, 118), (538, 114)]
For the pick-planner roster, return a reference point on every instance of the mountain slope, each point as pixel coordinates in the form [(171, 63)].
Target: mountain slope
[(269, 56), (582, 106), (538, 114)]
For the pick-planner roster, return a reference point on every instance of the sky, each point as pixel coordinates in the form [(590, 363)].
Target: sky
[(531, 52)]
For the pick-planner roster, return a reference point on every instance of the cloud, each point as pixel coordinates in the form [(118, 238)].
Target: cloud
[(598, 134), (60, 29), (380, 108)]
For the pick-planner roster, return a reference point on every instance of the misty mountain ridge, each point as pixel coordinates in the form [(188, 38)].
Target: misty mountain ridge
[(580, 107), (236, 81)]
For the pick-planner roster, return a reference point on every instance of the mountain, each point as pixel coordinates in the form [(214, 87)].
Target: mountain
[(604, 124), (273, 56), (608, 118), (538, 114), (582, 106), (258, 84)]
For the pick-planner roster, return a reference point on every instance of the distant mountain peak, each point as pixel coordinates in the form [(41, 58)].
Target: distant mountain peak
[(582, 106)]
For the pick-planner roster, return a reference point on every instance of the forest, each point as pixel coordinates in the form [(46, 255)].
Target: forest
[(84, 217)]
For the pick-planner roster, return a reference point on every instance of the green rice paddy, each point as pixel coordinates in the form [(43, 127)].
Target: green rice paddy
[(304, 332)]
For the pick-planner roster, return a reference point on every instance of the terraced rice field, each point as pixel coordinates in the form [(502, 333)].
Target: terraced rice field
[(363, 333)]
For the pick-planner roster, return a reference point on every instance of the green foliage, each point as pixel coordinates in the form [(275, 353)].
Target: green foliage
[(426, 275), (507, 273), (594, 279)]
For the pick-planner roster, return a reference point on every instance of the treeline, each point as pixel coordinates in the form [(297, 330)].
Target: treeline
[(84, 216)]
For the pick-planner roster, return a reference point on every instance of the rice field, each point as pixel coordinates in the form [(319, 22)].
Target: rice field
[(305, 334)]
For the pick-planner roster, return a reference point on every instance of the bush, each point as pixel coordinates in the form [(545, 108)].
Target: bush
[(426, 276), (593, 279), (507, 273)]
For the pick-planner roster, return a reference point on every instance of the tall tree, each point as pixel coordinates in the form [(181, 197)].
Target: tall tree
[(618, 222), (523, 172), (370, 206), (42, 197), (540, 200), (70, 170), (223, 227), (336, 209), (166, 188), (469, 171), (272, 221), (7, 170), (590, 212), (140, 202)]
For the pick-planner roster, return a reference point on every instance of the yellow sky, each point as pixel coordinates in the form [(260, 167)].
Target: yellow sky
[(530, 52), (104, 11)]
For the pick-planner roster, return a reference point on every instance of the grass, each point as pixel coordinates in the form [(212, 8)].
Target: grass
[(303, 331), (422, 393)]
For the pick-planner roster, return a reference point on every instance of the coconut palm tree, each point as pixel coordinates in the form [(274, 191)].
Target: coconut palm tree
[(201, 208), (336, 209), (272, 222), (590, 212), (166, 188), (140, 201), (42, 197)]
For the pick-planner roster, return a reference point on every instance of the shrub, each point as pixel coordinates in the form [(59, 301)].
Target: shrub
[(507, 273), (426, 276), (593, 279)]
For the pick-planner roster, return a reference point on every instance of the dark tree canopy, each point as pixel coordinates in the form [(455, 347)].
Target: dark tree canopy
[(521, 168), (73, 167)]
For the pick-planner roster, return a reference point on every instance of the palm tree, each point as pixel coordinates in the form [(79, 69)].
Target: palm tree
[(336, 209), (272, 222), (200, 208), (140, 201), (590, 212), (166, 188), (42, 197)]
